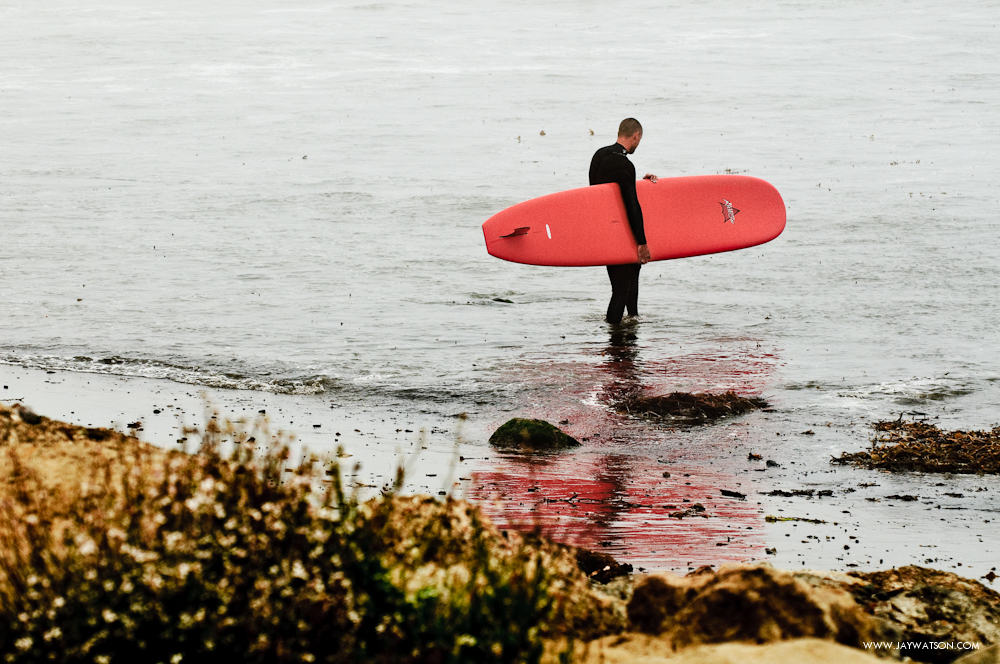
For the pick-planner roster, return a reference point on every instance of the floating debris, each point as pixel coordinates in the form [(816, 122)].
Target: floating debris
[(777, 519), (688, 408), (903, 446), (694, 510), (805, 493)]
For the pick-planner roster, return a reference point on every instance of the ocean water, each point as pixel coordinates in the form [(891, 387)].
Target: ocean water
[(287, 197)]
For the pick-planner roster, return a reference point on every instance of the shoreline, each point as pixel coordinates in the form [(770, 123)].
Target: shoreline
[(378, 440), (603, 496)]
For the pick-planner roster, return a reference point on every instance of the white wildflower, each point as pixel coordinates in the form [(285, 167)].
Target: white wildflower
[(52, 634), (152, 580), (139, 555), (172, 538), (24, 643), (108, 615), (85, 546)]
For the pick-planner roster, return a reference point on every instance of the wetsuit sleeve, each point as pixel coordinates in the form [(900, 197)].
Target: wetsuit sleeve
[(632, 209)]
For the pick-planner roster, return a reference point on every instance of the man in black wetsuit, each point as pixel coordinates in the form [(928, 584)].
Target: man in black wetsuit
[(611, 164)]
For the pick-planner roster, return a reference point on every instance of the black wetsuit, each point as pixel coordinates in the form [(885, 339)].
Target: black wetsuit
[(611, 164)]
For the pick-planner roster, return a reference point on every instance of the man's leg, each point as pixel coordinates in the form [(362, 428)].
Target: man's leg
[(632, 302), (621, 280)]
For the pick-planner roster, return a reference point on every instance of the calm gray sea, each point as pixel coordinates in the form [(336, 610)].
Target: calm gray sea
[(287, 197)]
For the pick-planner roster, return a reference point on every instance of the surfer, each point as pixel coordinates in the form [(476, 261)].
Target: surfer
[(611, 164)]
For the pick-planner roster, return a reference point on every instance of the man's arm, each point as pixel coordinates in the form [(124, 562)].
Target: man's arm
[(634, 213), (643, 250)]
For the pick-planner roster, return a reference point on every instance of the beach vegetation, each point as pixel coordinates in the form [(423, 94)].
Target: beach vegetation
[(177, 557)]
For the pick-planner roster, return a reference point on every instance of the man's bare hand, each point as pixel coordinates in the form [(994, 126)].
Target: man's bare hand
[(643, 254)]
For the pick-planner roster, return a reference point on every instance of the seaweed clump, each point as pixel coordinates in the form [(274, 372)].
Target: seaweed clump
[(688, 408), (901, 446)]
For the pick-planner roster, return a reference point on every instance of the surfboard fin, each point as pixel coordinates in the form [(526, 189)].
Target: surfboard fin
[(522, 230)]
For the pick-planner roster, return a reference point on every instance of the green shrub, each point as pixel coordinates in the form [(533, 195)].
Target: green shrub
[(193, 557)]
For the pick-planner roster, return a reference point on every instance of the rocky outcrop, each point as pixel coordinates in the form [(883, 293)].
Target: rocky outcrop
[(929, 606), (912, 607), (757, 604), (645, 649)]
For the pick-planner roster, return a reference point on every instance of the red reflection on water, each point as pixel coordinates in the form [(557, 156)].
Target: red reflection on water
[(625, 506), (612, 494)]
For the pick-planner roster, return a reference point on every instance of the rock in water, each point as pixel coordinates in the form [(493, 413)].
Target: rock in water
[(532, 434)]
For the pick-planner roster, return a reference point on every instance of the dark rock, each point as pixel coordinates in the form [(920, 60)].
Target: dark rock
[(28, 416), (96, 434), (531, 434), (600, 567)]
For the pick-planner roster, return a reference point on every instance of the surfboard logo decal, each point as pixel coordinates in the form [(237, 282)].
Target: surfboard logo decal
[(729, 211), (523, 230)]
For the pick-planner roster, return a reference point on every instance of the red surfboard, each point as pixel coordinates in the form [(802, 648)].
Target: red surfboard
[(683, 216)]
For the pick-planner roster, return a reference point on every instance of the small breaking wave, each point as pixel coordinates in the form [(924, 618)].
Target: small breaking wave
[(116, 365)]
